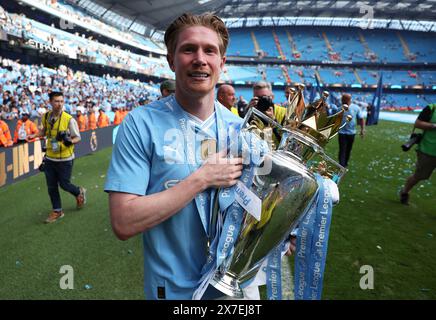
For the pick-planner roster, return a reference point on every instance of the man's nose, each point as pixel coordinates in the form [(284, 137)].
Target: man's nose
[(200, 58)]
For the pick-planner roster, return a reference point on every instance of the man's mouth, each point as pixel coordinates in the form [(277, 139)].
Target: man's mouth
[(199, 75)]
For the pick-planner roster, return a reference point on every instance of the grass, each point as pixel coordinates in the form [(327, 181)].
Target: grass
[(32, 253), (369, 227)]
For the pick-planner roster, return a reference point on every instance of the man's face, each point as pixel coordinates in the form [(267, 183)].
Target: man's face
[(196, 61), (57, 103), (227, 97)]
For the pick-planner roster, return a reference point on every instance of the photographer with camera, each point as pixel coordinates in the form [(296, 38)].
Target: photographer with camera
[(62, 133), (262, 91), (426, 151), (263, 101)]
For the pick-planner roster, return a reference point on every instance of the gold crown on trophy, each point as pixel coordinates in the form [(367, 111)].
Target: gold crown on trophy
[(313, 119)]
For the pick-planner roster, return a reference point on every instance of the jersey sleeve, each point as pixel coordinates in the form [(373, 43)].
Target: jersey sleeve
[(129, 169), (425, 114)]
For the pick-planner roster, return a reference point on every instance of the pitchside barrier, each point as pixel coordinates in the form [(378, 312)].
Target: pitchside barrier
[(22, 161)]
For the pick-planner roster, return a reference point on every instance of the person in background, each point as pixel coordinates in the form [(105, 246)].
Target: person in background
[(264, 89), (167, 87), (92, 119), (124, 112), (103, 119), (118, 116), (5, 135), (62, 133), (226, 96), (426, 152), (346, 134), (25, 130), (82, 119)]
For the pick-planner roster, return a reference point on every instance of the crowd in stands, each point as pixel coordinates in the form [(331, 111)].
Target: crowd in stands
[(76, 45), (24, 90), (119, 32)]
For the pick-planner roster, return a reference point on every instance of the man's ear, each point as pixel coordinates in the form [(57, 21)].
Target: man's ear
[(223, 61), (170, 60)]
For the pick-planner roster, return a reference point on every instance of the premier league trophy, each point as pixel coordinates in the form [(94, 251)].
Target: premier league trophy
[(287, 190)]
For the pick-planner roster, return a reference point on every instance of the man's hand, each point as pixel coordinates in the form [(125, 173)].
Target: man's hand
[(30, 137), (220, 171), (292, 246), (253, 102)]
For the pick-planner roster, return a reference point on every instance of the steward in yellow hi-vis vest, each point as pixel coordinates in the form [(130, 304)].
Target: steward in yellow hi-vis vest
[(57, 149), (61, 132)]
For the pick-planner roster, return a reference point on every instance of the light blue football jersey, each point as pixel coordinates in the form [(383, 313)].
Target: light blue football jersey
[(150, 155), (350, 127)]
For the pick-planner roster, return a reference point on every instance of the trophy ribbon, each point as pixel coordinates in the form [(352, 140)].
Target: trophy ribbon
[(225, 237), (312, 241)]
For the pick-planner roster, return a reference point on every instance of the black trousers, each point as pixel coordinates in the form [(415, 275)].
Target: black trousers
[(345, 145), (59, 174)]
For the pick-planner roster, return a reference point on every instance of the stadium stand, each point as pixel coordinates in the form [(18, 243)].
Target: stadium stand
[(297, 43), (25, 88), (349, 43), (73, 45), (75, 15)]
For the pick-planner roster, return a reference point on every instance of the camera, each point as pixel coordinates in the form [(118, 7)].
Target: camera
[(414, 138), (61, 135), (264, 103), (64, 136)]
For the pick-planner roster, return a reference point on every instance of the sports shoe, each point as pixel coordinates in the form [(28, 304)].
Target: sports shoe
[(81, 198), (404, 198), (54, 216)]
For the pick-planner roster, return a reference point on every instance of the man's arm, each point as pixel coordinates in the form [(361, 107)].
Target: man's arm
[(423, 120), (41, 133), (74, 131), (34, 132), (133, 214), (424, 125)]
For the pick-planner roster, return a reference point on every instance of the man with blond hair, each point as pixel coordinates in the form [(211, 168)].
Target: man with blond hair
[(154, 190)]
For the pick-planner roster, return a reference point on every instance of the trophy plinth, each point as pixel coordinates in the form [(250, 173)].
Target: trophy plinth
[(228, 284)]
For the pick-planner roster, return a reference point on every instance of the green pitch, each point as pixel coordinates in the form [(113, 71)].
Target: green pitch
[(369, 227)]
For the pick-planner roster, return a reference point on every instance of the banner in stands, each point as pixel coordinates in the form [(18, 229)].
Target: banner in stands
[(22, 161), (46, 47)]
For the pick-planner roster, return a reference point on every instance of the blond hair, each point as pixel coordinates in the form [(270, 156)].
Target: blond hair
[(187, 20)]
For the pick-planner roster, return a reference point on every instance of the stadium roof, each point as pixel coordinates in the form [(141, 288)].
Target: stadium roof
[(159, 13)]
